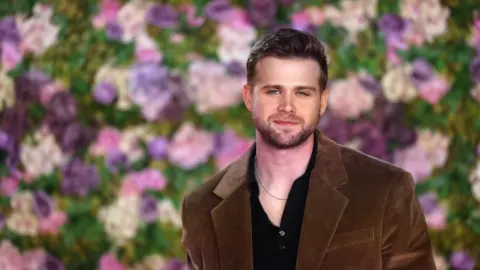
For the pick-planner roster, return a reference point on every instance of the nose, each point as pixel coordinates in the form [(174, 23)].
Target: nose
[(286, 103)]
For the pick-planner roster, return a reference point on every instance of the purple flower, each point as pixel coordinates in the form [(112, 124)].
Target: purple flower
[(28, 85), (15, 122), (148, 209), (335, 128), (175, 264), (116, 160), (105, 93), (2, 221), (236, 69), (62, 107), (475, 69), (149, 88), (218, 10), (79, 178), (373, 141), (462, 260), (428, 202), (8, 30), (51, 263), (369, 83), (42, 203), (114, 31), (163, 16), (422, 72), (157, 148), (262, 12), (75, 136), (392, 24)]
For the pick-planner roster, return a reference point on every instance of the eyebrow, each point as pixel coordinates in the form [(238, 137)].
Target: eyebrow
[(298, 87)]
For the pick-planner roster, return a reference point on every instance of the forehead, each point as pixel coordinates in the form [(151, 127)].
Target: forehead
[(287, 71)]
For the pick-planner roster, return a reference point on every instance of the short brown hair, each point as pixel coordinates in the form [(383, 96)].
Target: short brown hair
[(288, 43)]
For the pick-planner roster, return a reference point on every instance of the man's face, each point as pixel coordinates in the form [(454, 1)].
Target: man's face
[(286, 102)]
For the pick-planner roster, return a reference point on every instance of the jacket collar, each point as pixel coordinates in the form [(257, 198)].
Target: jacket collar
[(323, 210), (328, 162)]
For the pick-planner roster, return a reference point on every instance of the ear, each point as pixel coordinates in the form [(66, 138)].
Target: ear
[(247, 93), (323, 101)]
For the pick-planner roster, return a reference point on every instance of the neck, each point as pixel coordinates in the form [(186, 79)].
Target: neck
[(279, 168)]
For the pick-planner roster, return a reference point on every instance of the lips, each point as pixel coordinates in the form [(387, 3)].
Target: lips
[(284, 122)]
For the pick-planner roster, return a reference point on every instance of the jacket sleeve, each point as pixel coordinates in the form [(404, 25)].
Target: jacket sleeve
[(406, 241), (193, 255)]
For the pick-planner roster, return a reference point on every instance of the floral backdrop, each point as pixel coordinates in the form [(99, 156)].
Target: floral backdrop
[(111, 111)]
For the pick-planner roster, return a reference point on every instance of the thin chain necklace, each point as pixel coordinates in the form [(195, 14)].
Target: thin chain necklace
[(260, 180)]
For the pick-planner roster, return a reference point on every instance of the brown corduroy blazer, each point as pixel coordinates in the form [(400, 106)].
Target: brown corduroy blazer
[(361, 213)]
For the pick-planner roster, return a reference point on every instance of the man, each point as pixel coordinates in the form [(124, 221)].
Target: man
[(296, 199)]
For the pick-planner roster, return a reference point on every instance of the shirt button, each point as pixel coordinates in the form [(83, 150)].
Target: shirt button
[(282, 246), (281, 232)]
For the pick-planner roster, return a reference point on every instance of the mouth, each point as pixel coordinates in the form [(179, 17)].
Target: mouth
[(285, 122)]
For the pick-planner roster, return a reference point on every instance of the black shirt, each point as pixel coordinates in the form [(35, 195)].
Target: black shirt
[(276, 247)]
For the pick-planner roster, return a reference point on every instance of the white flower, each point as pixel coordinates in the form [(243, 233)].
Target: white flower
[(41, 154), (130, 141), (475, 92), (38, 33), (475, 181), (353, 15), (397, 85), (167, 213), (435, 146), (23, 223), (235, 41), (121, 219), (117, 77), (7, 93), (210, 88), (429, 17), (131, 18), (348, 99), (22, 202)]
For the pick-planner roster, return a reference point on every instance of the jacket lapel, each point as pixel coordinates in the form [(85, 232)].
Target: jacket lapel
[(232, 218), (323, 210), (324, 207)]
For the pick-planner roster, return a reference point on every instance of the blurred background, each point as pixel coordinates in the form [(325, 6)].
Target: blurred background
[(111, 111)]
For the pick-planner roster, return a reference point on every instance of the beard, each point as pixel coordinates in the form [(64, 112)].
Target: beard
[(280, 140)]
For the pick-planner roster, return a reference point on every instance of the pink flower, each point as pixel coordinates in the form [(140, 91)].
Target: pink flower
[(190, 147), (11, 55), (300, 20), (137, 182), (192, 19), (108, 141), (437, 219), (414, 160), (49, 90), (232, 147), (433, 90), (109, 262), (38, 33), (108, 13), (34, 259), (348, 99), (52, 224), (316, 15), (211, 88), (146, 49), (8, 186), (10, 257)]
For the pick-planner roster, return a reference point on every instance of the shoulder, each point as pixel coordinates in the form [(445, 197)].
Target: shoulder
[(363, 169)]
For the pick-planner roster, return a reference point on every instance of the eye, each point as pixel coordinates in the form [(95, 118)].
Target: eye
[(303, 93), (272, 91)]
